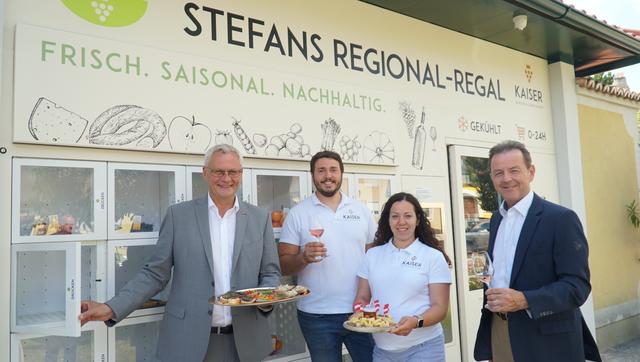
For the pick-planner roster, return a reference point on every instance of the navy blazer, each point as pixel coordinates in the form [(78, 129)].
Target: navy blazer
[(550, 267)]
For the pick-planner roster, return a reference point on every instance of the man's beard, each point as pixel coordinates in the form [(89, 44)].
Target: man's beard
[(328, 193)]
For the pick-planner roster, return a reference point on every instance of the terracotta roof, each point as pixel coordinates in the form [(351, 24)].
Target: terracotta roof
[(633, 32), (607, 89), (630, 32)]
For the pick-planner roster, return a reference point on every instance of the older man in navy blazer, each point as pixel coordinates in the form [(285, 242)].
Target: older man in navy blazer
[(539, 250)]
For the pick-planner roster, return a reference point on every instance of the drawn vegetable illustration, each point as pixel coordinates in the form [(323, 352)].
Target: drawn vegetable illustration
[(50, 123), (259, 139), (408, 116), (123, 124), (349, 148), (290, 144), (111, 13), (187, 135), (223, 136), (330, 130), (419, 143), (243, 137), (378, 148)]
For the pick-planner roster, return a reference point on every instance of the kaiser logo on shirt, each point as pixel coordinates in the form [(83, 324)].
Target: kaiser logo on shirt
[(412, 262), (350, 215)]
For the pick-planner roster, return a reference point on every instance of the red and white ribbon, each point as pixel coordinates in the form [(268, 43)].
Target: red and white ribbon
[(357, 307)]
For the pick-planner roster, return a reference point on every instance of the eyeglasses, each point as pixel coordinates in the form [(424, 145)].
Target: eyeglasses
[(219, 173)]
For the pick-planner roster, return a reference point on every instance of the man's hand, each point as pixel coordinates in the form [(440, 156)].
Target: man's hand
[(94, 311), (505, 300), (313, 252), (266, 308)]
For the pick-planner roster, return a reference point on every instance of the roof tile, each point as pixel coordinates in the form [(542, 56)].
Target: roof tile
[(624, 93)]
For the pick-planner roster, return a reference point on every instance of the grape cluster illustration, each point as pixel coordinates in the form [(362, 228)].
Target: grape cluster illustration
[(102, 9), (350, 148), (408, 116)]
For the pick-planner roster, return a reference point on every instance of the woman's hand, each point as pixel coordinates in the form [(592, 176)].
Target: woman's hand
[(405, 326), (363, 295)]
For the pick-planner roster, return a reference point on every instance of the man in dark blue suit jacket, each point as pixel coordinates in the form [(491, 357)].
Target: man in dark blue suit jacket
[(532, 308)]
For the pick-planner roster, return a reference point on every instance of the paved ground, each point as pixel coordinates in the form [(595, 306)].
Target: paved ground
[(625, 352)]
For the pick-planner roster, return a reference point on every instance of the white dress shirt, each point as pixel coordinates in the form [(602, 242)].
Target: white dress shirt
[(504, 249), (223, 232)]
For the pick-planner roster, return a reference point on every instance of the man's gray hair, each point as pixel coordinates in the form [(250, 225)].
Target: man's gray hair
[(222, 147), (510, 145)]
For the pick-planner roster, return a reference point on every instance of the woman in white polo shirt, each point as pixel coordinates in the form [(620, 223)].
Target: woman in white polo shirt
[(408, 270)]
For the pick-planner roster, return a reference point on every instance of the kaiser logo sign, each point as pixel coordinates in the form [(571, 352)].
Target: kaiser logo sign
[(528, 72), (526, 94), (111, 13)]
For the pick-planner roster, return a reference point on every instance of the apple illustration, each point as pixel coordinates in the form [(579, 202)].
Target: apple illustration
[(111, 13), (187, 135)]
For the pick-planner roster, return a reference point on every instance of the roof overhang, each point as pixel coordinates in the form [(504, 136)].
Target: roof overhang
[(555, 31)]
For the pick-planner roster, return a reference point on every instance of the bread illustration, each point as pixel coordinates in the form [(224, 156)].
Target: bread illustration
[(124, 124), (52, 124)]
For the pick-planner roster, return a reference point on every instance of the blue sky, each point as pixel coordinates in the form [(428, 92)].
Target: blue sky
[(623, 13)]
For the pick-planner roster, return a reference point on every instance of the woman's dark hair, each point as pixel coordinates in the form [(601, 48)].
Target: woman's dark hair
[(423, 231)]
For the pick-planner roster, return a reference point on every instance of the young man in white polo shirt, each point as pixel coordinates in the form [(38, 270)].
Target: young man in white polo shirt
[(328, 264)]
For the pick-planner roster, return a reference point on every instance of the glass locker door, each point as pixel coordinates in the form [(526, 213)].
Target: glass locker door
[(435, 213), (472, 199), (278, 192), (90, 346), (45, 288), (124, 259), (58, 200), (139, 196), (134, 339), (196, 185), (372, 189)]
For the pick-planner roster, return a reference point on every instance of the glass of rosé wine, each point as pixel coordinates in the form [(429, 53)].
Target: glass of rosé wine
[(316, 230)]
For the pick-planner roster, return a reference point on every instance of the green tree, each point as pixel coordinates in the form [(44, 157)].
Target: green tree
[(604, 79), (478, 171)]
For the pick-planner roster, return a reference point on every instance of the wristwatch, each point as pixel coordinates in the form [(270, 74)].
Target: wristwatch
[(420, 321)]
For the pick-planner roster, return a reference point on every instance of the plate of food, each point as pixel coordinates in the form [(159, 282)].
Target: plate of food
[(358, 322), (261, 296)]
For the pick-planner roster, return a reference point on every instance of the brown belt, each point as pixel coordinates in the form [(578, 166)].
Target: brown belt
[(222, 330)]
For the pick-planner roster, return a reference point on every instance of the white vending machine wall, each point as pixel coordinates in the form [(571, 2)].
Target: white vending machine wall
[(46, 288)]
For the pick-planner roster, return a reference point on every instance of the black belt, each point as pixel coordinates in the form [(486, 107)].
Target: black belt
[(502, 316), (222, 330)]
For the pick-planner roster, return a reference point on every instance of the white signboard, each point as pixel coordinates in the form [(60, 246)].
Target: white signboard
[(372, 104)]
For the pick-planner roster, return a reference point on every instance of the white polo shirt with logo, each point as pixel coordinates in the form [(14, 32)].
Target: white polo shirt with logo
[(401, 278), (332, 281)]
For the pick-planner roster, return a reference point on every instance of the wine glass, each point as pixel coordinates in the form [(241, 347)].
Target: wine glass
[(316, 230), (433, 134), (482, 266)]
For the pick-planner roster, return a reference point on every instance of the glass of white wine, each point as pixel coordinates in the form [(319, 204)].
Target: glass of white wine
[(482, 266)]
